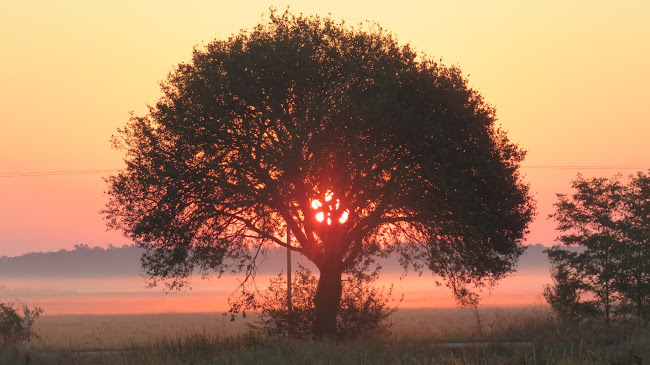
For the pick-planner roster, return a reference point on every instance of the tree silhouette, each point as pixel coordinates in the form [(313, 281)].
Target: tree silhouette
[(591, 217), (612, 221), (253, 131)]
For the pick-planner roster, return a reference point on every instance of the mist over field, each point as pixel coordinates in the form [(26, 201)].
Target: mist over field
[(122, 262), (93, 280)]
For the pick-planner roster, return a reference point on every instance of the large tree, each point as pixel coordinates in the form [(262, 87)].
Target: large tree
[(348, 139)]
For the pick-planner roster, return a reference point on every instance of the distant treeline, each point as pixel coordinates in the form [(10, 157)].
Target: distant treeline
[(96, 262), (83, 262)]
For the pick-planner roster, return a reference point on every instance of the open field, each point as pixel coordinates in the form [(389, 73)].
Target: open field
[(419, 336), (92, 332)]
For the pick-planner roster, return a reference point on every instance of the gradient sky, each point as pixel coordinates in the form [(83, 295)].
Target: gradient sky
[(570, 81)]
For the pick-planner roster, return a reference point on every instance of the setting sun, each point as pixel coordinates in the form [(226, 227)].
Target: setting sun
[(330, 210)]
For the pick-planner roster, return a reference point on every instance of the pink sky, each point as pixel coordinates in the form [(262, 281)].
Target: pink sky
[(570, 81)]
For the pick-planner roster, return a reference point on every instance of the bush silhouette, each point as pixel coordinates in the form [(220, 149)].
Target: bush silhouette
[(364, 308), (12, 329)]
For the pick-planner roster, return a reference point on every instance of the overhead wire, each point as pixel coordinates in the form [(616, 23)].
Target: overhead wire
[(590, 167), (536, 167), (56, 173)]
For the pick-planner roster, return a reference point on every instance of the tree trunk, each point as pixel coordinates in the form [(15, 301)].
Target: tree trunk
[(326, 301)]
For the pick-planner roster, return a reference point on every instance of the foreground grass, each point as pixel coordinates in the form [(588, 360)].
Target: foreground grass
[(204, 349), (512, 337)]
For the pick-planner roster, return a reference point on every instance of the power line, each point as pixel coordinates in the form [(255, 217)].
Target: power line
[(56, 173), (537, 167), (584, 167)]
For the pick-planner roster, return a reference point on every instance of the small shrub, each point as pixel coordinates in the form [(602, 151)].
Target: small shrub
[(12, 328), (363, 309)]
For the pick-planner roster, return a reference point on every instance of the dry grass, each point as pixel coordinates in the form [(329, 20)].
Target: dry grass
[(416, 339), (464, 324), (90, 332)]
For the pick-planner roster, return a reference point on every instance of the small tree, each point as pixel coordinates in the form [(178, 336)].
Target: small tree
[(611, 221), (364, 308)]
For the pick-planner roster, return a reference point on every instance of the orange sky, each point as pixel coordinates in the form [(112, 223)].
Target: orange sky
[(570, 80)]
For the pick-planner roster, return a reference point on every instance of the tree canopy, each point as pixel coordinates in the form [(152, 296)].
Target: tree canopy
[(252, 131)]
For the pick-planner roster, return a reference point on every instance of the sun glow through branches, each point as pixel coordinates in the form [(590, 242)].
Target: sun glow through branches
[(325, 213)]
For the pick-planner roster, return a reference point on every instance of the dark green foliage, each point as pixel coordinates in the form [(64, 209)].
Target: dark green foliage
[(611, 277), (255, 127)]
